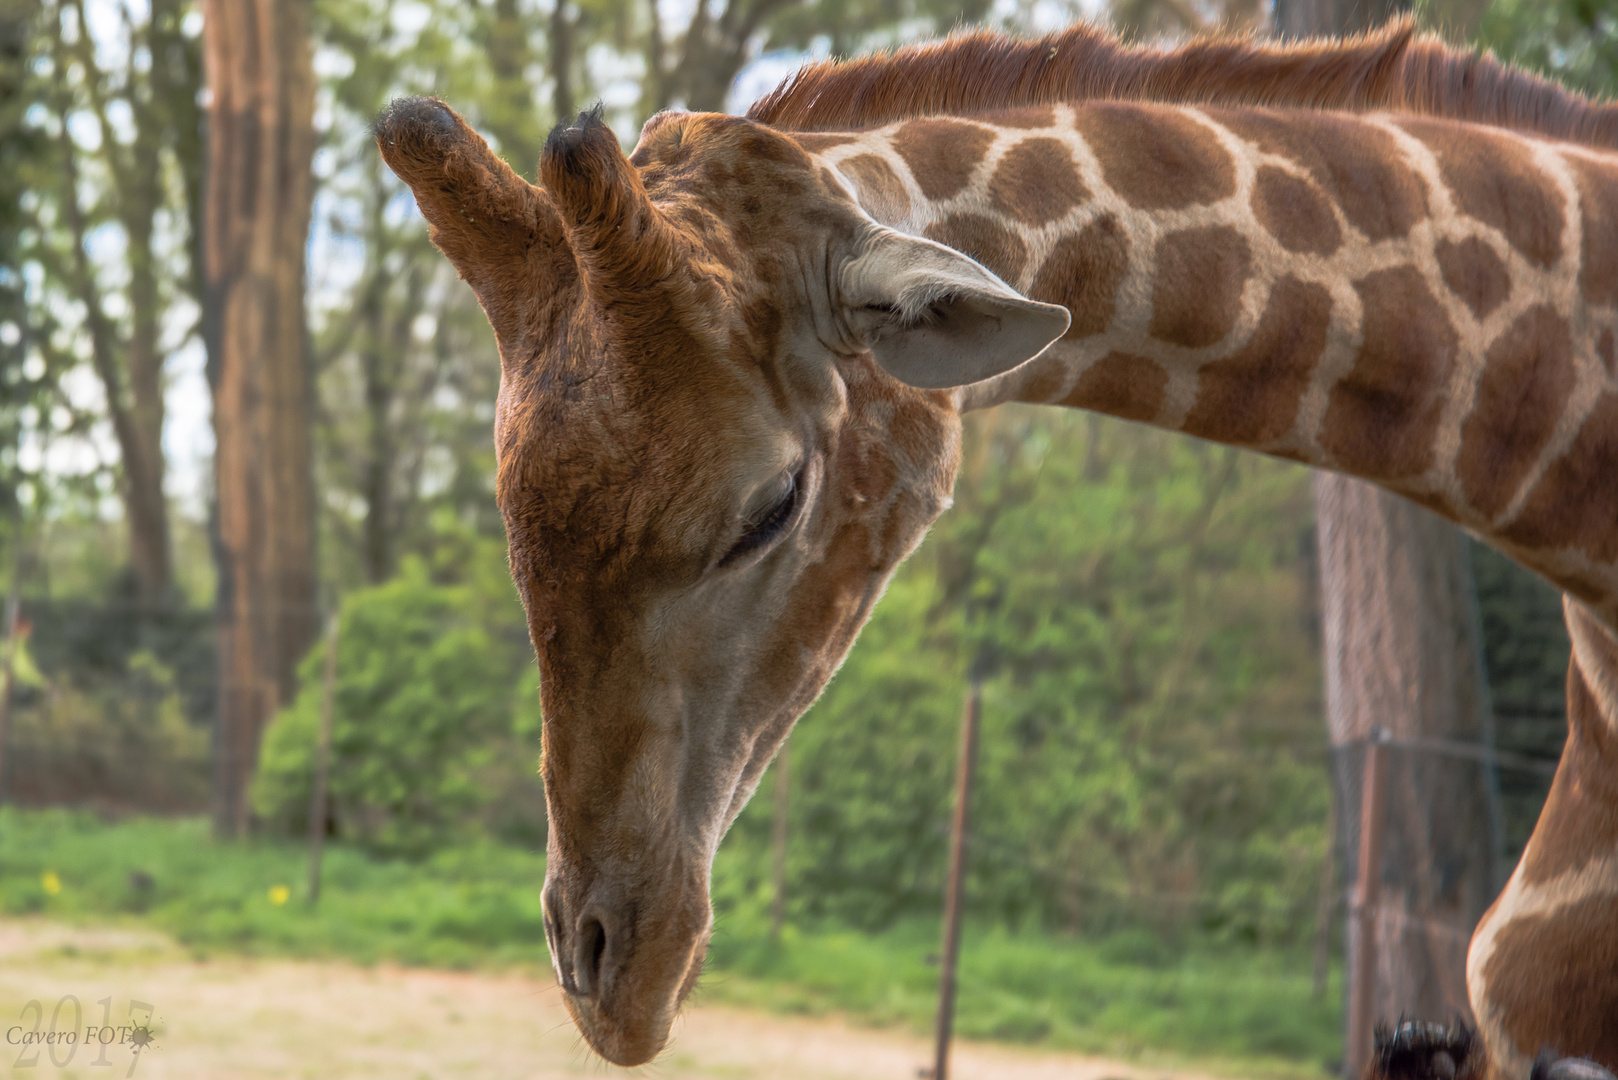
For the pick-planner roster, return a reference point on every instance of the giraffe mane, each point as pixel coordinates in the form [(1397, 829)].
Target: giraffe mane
[(1394, 68)]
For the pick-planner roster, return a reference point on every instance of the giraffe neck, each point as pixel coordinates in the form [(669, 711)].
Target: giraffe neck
[(1540, 964), (1425, 304)]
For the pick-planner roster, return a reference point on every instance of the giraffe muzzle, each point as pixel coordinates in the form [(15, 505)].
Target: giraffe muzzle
[(625, 960)]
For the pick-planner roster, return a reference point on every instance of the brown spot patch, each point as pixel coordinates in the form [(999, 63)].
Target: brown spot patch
[(1156, 158), (1494, 179), (985, 240), (1575, 503), (882, 193), (1252, 396), (1474, 273), (1295, 212), (1436, 501), (1579, 821), (1527, 377), (816, 141), (1083, 272), (1036, 182), (1040, 116), (1382, 417), (1598, 203), (833, 186), (1591, 590), (1551, 974), (1551, 978), (1355, 164), (1608, 354), (1045, 379), (941, 154), (1122, 385), (1197, 294)]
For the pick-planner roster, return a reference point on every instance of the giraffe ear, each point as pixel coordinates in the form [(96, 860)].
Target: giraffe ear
[(935, 319)]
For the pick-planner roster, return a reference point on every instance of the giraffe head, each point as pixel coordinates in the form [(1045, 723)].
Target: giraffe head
[(724, 418)]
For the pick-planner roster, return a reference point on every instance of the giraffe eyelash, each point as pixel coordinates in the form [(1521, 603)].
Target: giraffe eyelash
[(773, 523)]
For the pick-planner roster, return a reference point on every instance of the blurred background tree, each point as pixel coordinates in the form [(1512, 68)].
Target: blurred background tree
[(116, 198)]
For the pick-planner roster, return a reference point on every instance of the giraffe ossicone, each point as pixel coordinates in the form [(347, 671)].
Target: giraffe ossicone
[(734, 363)]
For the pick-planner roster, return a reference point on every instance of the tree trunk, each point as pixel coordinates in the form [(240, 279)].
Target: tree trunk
[(138, 429), (714, 50), (512, 118), (562, 26), (261, 139), (128, 360), (145, 501), (1303, 18), (1403, 651)]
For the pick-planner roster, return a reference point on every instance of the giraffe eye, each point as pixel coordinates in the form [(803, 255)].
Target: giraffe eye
[(760, 531)]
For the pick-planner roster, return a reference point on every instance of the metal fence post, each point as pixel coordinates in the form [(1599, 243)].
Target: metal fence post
[(317, 799), (960, 825), (1362, 994)]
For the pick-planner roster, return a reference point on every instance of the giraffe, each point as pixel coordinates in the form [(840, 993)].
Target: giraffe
[(734, 365), (1422, 1050)]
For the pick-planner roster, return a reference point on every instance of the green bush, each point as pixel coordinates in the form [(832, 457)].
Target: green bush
[(430, 734), (1150, 755)]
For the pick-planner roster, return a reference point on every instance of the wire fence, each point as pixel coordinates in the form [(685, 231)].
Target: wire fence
[(113, 705)]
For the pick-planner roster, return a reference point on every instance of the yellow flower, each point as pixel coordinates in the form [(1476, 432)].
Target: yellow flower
[(50, 883), (279, 894)]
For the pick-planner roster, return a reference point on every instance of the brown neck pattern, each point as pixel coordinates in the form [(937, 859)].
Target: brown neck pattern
[(729, 403), (1422, 303), (1383, 258)]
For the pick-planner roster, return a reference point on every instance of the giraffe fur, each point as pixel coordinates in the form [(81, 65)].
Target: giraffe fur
[(734, 364)]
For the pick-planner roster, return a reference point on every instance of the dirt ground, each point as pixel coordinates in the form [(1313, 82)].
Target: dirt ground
[(235, 1019)]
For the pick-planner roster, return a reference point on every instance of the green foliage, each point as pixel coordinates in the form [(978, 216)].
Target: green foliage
[(425, 731), (1572, 41), (478, 906), (114, 739), (1038, 988), (473, 904), (1141, 608)]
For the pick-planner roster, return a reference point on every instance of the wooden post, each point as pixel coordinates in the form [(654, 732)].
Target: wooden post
[(317, 800), (1367, 895), (13, 609), (783, 797), (957, 876), (1326, 903)]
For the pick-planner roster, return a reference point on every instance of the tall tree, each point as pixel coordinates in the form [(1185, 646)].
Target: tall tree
[(17, 144), (259, 194), (506, 31), (1301, 18), (696, 65), (124, 123)]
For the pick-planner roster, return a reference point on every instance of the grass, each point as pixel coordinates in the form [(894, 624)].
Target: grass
[(1245, 1012), (1241, 1011)]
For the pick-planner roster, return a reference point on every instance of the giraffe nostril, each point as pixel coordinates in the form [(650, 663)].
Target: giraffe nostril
[(588, 951)]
